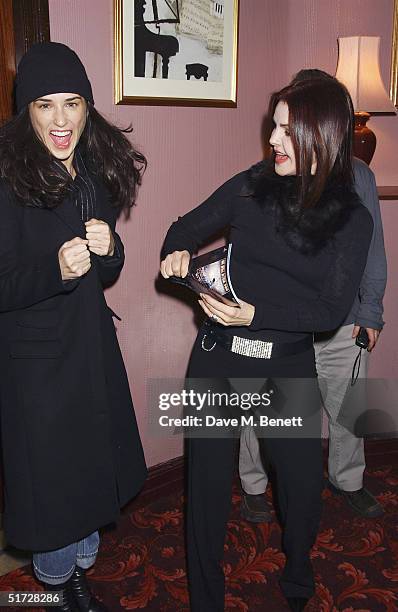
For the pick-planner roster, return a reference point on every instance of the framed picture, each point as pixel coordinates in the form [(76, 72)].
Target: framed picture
[(176, 52)]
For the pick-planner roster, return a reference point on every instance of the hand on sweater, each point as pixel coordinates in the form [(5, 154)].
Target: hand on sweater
[(227, 315)]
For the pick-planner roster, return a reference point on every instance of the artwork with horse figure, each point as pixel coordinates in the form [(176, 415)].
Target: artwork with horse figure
[(176, 52)]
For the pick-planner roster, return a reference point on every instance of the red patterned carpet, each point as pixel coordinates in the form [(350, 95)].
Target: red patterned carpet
[(141, 563)]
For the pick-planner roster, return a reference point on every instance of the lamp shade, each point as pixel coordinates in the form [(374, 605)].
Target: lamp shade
[(358, 69)]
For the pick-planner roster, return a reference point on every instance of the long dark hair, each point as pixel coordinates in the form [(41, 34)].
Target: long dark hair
[(29, 168), (321, 122)]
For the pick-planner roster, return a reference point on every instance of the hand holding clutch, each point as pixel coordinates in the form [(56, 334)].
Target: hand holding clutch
[(175, 264), (240, 315)]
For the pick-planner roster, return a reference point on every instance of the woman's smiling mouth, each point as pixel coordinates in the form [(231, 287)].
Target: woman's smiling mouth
[(61, 138), (280, 158)]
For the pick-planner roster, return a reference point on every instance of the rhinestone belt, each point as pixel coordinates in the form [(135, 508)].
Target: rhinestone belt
[(259, 349)]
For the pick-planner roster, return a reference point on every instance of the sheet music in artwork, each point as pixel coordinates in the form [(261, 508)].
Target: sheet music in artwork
[(217, 8), (215, 37), (203, 19)]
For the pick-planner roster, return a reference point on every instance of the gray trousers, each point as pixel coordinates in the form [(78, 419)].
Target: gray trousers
[(335, 355)]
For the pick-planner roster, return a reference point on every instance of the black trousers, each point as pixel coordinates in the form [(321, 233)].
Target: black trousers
[(210, 476)]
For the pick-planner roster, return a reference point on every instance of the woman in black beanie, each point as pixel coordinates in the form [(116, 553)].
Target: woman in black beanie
[(71, 448)]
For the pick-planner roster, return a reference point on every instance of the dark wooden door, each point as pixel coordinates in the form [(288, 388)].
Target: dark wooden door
[(22, 23), (7, 58)]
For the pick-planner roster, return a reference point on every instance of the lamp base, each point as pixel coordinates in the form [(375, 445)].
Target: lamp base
[(364, 138)]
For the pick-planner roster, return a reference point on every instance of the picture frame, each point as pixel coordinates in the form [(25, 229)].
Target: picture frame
[(394, 57), (176, 52)]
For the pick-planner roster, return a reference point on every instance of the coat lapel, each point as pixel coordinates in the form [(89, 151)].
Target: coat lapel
[(105, 212), (68, 213)]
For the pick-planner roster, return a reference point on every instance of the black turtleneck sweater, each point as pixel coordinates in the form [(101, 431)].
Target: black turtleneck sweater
[(295, 290)]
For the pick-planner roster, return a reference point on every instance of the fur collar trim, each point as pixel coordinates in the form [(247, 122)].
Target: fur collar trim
[(307, 231)]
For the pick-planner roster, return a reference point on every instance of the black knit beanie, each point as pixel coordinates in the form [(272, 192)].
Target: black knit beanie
[(48, 68)]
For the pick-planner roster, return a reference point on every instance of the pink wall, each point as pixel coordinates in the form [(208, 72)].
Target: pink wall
[(192, 150), (309, 40), (314, 25)]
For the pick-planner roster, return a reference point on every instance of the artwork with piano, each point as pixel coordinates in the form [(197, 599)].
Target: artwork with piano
[(176, 51)]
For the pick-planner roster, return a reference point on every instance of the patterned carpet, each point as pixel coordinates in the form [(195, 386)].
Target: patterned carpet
[(141, 563)]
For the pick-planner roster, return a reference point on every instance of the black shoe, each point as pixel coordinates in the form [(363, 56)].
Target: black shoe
[(362, 501), (297, 604), (86, 602), (68, 601), (254, 509)]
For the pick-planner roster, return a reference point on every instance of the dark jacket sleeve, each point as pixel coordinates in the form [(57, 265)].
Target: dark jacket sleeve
[(110, 266), (373, 283), (24, 281), (340, 286), (214, 214)]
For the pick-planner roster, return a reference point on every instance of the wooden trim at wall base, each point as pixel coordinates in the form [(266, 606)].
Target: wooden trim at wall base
[(163, 478), (166, 477)]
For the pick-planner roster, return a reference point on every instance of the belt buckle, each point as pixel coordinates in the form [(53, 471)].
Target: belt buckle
[(252, 348)]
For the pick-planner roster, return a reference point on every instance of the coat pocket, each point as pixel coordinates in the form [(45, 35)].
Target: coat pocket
[(46, 349), (38, 319)]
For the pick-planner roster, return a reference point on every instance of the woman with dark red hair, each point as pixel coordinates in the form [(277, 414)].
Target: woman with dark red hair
[(300, 238)]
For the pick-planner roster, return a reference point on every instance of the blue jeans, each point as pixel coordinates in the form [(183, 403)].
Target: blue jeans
[(57, 566)]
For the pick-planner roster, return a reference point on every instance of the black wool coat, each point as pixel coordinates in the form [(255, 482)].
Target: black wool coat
[(72, 454)]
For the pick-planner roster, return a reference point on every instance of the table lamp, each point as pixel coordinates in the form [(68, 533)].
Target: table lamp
[(358, 69)]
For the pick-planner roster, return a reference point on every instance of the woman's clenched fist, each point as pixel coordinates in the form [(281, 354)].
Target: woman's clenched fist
[(100, 237), (74, 259), (175, 264)]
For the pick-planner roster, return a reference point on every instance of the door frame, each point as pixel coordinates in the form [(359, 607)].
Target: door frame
[(22, 23)]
